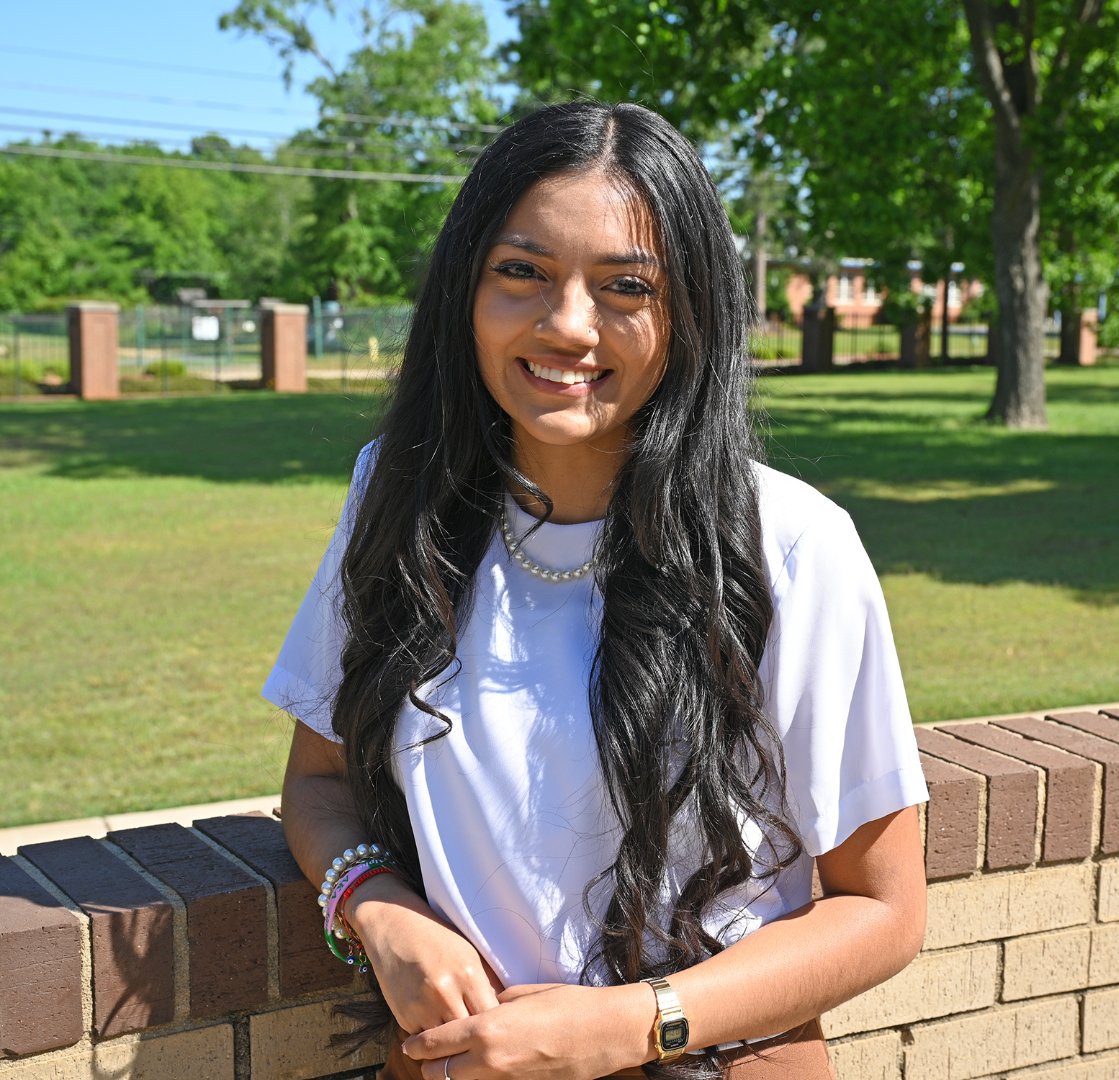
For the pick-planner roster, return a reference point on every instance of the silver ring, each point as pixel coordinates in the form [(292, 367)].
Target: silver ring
[(446, 1068)]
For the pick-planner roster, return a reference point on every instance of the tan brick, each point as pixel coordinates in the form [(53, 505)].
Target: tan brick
[(1007, 905), (1105, 1067), (1109, 891), (935, 984), (294, 1044), (1103, 963), (1046, 964), (873, 1057), (1101, 1020), (994, 1041), (183, 1055)]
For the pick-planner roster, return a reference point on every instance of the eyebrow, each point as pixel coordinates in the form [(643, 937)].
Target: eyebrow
[(638, 256)]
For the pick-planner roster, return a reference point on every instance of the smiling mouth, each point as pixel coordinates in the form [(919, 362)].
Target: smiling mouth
[(564, 377)]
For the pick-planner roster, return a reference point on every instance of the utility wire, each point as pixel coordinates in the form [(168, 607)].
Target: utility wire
[(132, 62), (172, 145), (277, 137), (233, 166), (229, 106)]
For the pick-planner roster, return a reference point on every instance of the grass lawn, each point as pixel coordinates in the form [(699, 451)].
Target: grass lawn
[(152, 553)]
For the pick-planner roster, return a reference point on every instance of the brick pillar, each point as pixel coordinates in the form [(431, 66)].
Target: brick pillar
[(916, 339), (283, 347), (1089, 335), (817, 345), (93, 350)]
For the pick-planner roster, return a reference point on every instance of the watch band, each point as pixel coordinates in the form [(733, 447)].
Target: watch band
[(670, 1031)]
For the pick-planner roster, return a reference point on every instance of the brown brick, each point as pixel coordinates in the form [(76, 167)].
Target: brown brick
[(1040, 964), (131, 934), (1101, 1020), (1112, 712), (1104, 725), (993, 1041), (1070, 789), (1012, 802), (952, 820), (225, 912), (40, 967), (1075, 741), (305, 962)]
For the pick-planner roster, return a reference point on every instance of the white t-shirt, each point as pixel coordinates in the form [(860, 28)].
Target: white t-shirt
[(509, 811)]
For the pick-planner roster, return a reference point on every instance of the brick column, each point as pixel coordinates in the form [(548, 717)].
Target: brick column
[(93, 350), (1089, 334), (283, 347), (817, 346), (916, 338)]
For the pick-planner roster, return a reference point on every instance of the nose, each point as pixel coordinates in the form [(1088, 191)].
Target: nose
[(570, 318)]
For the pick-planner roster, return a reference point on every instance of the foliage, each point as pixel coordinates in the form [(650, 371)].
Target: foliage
[(102, 230), (409, 100), (881, 119)]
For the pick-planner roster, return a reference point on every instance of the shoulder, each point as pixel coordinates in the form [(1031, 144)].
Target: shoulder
[(801, 527)]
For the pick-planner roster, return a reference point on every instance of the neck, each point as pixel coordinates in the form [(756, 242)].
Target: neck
[(578, 479)]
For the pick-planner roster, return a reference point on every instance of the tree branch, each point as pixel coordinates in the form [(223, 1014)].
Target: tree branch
[(988, 62)]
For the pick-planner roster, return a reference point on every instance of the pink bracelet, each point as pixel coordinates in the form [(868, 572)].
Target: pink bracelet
[(345, 884)]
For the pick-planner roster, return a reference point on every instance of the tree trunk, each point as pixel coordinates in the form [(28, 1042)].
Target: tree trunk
[(1020, 383)]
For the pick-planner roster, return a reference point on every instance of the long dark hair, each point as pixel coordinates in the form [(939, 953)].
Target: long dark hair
[(675, 695)]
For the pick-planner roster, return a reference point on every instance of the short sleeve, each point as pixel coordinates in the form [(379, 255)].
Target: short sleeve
[(834, 689), (306, 674)]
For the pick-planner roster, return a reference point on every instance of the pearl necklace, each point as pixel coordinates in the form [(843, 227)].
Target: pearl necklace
[(516, 552)]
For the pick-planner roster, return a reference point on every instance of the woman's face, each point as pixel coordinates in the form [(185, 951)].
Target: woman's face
[(571, 313)]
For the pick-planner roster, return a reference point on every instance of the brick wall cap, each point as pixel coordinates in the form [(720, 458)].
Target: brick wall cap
[(94, 305), (284, 309), (1004, 741), (969, 755)]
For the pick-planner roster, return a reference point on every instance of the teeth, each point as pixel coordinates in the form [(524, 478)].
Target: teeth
[(568, 378)]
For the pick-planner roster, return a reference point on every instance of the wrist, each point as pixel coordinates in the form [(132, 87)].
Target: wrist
[(632, 1022)]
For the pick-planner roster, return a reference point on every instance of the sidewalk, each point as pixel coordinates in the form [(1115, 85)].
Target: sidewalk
[(12, 838)]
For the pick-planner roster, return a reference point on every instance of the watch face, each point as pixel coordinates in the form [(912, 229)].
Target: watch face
[(674, 1035)]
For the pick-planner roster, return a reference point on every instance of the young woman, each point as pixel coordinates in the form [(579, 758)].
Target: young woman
[(599, 685)]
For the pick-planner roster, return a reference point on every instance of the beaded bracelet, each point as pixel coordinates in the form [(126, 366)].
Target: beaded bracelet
[(362, 853), (346, 872)]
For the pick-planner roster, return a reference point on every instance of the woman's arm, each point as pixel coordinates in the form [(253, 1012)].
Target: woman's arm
[(428, 972), (869, 924)]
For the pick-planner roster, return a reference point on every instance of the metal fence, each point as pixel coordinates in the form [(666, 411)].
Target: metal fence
[(34, 353)]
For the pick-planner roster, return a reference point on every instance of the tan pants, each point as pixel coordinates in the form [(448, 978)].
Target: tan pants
[(797, 1055)]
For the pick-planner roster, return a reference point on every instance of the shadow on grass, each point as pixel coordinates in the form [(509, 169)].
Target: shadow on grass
[(254, 438), (970, 504), (936, 493)]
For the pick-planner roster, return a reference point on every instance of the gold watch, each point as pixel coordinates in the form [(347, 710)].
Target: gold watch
[(670, 1031)]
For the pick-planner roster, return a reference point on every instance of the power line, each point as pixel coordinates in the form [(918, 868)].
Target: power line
[(233, 166), (132, 62), (229, 106), (291, 151), (277, 137)]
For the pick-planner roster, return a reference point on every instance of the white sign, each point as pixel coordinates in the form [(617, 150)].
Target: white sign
[(205, 327)]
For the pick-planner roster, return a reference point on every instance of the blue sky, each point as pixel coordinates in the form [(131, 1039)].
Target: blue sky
[(115, 68)]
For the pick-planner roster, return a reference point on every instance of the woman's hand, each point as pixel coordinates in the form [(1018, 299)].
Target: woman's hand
[(428, 972), (546, 1032)]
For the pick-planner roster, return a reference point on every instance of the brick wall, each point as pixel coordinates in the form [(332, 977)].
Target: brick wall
[(167, 953)]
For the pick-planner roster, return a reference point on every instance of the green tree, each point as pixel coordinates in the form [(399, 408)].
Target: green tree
[(413, 98), (917, 128)]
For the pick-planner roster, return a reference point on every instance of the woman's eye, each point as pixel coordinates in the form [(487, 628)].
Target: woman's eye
[(632, 286), (521, 271)]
